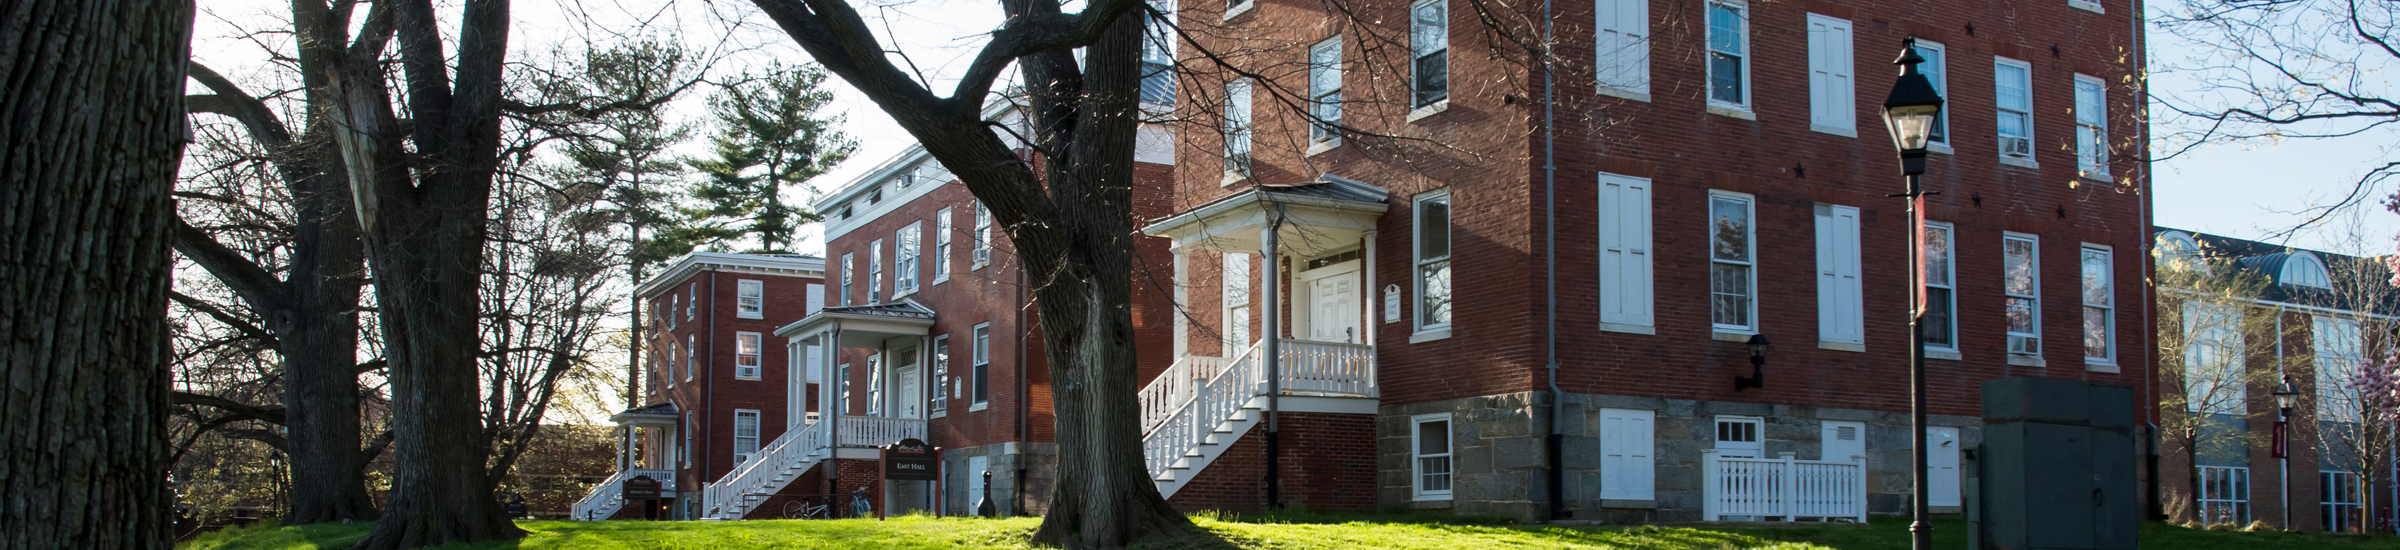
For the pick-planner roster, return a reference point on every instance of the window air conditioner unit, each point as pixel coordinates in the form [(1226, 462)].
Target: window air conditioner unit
[(2016, 146), (2028, 345)]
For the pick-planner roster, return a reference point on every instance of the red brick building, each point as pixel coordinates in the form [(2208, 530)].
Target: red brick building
[(2251, 319), (719, 385), (1712, 171)]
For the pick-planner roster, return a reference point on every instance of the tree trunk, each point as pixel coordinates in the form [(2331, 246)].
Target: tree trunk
[(93, 132), (428, 281)]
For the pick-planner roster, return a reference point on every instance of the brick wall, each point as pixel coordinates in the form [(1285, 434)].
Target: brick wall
[(711, 390), (1328, 463)]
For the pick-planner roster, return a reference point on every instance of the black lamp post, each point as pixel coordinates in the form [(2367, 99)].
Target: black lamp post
[(1909, 114), (1758, 361), (2286, 395)]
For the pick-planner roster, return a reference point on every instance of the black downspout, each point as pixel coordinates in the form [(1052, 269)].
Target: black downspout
[(1552, 442), (1024, 400), (708, 430)]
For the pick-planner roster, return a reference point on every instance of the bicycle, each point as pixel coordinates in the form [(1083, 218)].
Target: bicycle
[(859, 505), (804, 509)]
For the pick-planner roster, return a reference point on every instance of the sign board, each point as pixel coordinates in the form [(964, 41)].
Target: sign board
[(910, 460), (1391, 303), (2281, 451), (515, 509), (641, 488)]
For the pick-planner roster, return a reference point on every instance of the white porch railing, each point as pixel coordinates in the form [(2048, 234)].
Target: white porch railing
[(765, 472), (1782, 488), (877, 431), (609, 496), (1328, 368)]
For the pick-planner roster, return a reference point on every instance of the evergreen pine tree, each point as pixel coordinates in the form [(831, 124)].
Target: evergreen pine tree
[(769, 138)]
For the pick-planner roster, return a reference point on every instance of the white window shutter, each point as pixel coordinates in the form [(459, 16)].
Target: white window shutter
[(1623, 43), (1840, 314), (1831, 95), (1625, 294), (1627, 441)]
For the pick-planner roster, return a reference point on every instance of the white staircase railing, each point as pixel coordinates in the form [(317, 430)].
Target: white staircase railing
[(1782, 488), (782, 460), (1211, 403), (1167, 393), (609, 496)]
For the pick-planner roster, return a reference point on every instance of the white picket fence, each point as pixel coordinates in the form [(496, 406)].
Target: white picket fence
[(609, 496), (1785, 488), (877, 431)]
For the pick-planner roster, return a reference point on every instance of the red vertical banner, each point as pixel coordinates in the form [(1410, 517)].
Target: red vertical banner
[(1916, 258), (2281, 450)]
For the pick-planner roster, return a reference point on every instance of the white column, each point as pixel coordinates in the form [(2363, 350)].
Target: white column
[(1183, 343), (1369, 297)]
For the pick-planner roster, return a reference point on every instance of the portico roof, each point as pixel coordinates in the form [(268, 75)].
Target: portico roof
[(1325, 215), (868, 324), (660, 412)]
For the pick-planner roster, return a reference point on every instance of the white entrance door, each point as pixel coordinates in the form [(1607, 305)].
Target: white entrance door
[(1941, 466), (905, 403), (1334, 309), (1844, 440)]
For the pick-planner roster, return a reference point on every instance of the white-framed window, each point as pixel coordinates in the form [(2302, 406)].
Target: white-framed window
[(1158, 59), (847, 264), (683, 453), (746, 349), (752, 303), (1433, 260), (941, 375), (2304, 269), (1429, 450), (676, 301), (2087, 5), (1622, 42), (2091, 126), (1841, 308), (2021, 285), (1732, 269), (2213, 358), (1429, 51), (904, 258), (941, 245), (875, 272), (1729, 53), (2224, 495), (1936, 68), (2340, 354), (669, 364), (1625, 262), (1832, 87), (1325, 90), (2339, 506), (1941, 287), (1628, 464), (1740, 437), (876, 364), (983, 235), (691, 352), (1237, 128), (745, 434), (983, 363), (691, 308), (1236, 281), (2099, 305), (2013, 91)]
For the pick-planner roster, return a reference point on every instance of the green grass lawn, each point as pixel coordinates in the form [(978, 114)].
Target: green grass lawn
[(1286, 532)]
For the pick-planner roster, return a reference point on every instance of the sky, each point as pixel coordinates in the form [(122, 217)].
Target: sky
[(2246, 190)]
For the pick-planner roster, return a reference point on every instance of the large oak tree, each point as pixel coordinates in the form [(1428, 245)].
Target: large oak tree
[(91, 123), (1070, 218)]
